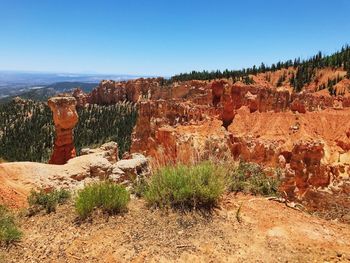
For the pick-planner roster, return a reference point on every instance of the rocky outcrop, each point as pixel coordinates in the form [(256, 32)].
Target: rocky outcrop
[(18, 178), (217, 88), (103, 163), (306, 162), (109, 150), (153, 115), (80, 96), (109, 91), (131, 169), (65, 118)]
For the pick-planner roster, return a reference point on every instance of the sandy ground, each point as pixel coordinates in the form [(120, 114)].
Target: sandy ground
[(268, 232)]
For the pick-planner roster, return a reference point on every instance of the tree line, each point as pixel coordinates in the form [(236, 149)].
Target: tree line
[(305, 69)]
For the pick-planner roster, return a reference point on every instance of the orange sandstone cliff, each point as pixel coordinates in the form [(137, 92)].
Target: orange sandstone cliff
[(305, 134)]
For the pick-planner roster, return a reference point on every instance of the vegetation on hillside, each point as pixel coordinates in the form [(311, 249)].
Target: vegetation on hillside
[(100, 124), (47, 201), (305, 69), (40, 94), (43, 93), (251, 178), (182, 186), (201, 185), (107, 196), (9, 231), (27, 130)]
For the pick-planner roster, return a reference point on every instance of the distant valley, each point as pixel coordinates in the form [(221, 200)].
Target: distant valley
[(42, 93), (40, 86)]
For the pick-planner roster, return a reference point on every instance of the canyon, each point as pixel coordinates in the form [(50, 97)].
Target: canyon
[(303, 138), (306, 135), (174, 131)]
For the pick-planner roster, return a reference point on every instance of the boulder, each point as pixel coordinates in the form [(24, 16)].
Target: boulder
[(137, 165)]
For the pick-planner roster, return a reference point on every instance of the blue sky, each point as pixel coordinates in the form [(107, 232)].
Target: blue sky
[(160, 37)]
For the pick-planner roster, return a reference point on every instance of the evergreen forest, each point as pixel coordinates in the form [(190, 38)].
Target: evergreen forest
[(27, 130), (305, 70)]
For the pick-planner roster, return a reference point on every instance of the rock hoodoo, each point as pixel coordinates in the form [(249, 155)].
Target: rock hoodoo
[(65, 118)]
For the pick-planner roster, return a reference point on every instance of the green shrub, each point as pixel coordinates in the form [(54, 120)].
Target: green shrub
[(183, 186), (47, 201), (251, 178), (108, 196), (9, 232), (139, 187)]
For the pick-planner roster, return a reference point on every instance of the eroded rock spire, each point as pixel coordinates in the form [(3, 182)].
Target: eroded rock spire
[(65, 118)]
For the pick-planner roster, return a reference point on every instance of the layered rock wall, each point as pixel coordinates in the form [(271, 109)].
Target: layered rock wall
[(304, 134), (212, 94)]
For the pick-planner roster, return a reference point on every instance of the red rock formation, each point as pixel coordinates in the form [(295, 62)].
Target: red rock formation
[(65, 118), (80, 96), (109, 91), (217, 88), (307, 168), (275, 127), (228, 113), (257, 98), (298, 106), (153, 115)]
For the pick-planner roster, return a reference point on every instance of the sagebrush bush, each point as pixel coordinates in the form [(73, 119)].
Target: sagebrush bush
[(251, 178), (47, 201), (183, 186), (9, 231), (107, 196), (139, 187)]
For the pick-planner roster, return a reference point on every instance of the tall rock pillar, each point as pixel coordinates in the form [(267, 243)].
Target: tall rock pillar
[(65, 118)]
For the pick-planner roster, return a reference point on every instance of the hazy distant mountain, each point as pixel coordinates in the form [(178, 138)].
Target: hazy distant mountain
[(43, 93), (13, 83), (68, 86)]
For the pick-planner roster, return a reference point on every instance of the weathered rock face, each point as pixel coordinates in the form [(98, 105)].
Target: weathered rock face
[(217, 89), (18, 178), (257, 98), (80, 96), (306, 134), (109, 92), (306, 162), (153, 115), (65, 118), (221, 100)]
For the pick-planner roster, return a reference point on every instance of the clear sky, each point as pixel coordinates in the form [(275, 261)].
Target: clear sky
[(164, 37)]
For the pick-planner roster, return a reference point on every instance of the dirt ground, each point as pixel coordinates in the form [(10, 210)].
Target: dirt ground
[(263, 231)]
